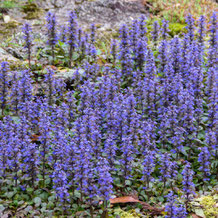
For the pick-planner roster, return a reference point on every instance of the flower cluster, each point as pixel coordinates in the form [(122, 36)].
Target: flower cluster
[(173, 208), (28, 40)]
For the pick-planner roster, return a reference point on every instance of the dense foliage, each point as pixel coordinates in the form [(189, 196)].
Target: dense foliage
[(145, 122)]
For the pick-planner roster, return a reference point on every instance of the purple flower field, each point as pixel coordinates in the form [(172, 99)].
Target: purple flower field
[(142, 124)]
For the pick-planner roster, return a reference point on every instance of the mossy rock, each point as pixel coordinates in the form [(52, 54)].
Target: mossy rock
[(4, 32), (11, 25), (7, 28), (32, 11), (32, 15), (30, 7), (177, 29)]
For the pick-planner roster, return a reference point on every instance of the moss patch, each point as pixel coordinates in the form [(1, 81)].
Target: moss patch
[(205, 206), (209, 206), (123, 214), (30, 7), (176, 29)]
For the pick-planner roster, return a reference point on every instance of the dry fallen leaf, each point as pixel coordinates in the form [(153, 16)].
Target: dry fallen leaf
[(34, 137), (129, 199), (51, 67), (195, 216), (125, 199)]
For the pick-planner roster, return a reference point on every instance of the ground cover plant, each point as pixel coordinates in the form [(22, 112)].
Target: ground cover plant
[(138, 125)]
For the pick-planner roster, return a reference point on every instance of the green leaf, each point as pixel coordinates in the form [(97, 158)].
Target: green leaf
[(29, 190), (60, 43), (75, 56), (60, 56), (77, 194), (2, 208), (199, 212), (44, 205), (50, 205), (128, 182), (10, 194), (99, 52), (37, 201), (215, 197), (29, 208), (44, 195), (161, 199), (186, 148), (21, 202), (47, 181), (43, 209), (196, 204), (52, 198)]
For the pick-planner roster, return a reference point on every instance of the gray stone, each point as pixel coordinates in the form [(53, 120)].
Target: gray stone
[(5, 56), (109, 14)]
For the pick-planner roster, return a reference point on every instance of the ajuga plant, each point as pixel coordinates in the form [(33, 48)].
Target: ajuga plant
[(125, 51), (148, 167), (25, 85), (27, 31), (155, 32), (190, 28), (72, 34), (142, 28), (93, 33), (164, 29), (15, 91), (80, 32), (204, 160), (44, 138), (134, 34), (4, 85), (63, 34), (173, 208), (213, 41), (201, 31), (188, 185), (146, 122), (52, 33), (5, 137), (49, 80), (105, 182), (164, 168), (114, 51)]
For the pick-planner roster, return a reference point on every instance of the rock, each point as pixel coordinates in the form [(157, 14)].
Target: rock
[(112, 12), (5, 56), (66, 74), (6, 18), (109, 14), (17, 53), (30, 7)]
